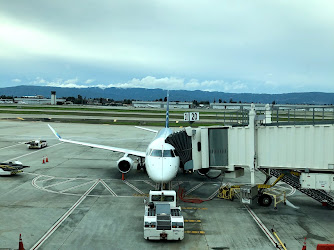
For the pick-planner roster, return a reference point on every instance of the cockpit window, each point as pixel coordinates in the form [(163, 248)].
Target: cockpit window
[(168, 153), (156, 152), (162, 153)]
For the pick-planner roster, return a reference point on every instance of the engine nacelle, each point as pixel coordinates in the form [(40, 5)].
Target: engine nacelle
[(125, 164)]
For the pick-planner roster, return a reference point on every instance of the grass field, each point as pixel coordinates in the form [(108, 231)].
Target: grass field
[(148, 117)]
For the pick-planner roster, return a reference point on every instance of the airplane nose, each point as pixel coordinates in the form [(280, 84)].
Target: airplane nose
[(163, 175)]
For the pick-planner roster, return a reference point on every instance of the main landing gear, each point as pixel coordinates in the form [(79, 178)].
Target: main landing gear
[(141, 164)]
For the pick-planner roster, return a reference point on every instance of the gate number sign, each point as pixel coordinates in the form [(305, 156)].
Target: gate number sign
[(191, 116)]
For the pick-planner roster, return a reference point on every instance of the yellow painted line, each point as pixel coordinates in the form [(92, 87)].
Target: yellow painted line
[(194, 232), (146, 195), (195, 208), (196, 221), (20, 118)]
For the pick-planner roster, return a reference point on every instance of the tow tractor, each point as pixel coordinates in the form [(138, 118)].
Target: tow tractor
[(247, 193), (163, 219), (11, 168), (37, 144)]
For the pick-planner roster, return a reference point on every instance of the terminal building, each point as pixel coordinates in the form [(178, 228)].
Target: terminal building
[(247, 106), (40, 100)]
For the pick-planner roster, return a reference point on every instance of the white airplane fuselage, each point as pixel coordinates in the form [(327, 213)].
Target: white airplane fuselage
[(161, 162)]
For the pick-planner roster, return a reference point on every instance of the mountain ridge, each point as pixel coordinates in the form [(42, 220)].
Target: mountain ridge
[(142, 94)]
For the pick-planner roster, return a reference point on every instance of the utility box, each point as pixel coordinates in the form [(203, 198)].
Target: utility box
[(235, 174), (248, 193), (317, 181)]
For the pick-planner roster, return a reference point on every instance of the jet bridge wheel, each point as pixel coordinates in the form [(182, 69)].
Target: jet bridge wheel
[(265, 200)]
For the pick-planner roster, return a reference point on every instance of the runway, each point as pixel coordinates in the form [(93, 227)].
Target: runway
[(78, 201)]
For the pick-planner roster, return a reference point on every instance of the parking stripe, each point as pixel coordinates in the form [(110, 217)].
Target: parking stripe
[(195, 208), (11, 146), (63, 218), (193, 221), (80, 185), (108, 188), (133, 187), (194, 188), (262, 226), (194, 232), (58, 183), (35, 151)]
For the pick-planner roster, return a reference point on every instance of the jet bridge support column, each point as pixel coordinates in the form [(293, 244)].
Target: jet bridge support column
[(267, 114), (252, 161)]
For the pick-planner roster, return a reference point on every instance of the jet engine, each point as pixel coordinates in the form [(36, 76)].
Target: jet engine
[(125, 164)]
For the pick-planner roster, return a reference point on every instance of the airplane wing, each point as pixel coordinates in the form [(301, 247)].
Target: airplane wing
[(147, 129), (122, 150)]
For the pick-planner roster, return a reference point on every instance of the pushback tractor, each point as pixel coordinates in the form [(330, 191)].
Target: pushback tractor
[(163, 219)]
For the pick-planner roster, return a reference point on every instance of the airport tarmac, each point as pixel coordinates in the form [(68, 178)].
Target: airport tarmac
[(77, 200)]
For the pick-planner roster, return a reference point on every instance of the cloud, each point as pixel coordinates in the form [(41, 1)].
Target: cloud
[(89, 81), (69, 83), (16, 80), (174, 83), (210, 45), (150, 82)]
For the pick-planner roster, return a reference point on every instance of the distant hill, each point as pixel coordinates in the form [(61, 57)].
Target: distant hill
[(176, 95)]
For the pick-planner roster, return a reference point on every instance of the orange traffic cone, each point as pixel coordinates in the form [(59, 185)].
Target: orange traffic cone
[(43, 160), (46, 159), (304, 246), (21, 247)]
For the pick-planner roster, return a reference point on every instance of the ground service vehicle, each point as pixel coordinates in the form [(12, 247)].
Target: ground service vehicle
[(37, 144), (163, 219), (11, 168)]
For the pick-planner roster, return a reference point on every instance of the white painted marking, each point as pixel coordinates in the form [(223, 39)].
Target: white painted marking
[(35, 152), (80, 185), (47, 179), (177, 183), (262, 226), (12, 146), (150, 183), (213, 195), (63, 218), (58, 183), (194, 188), (133, 187), (108, 188)]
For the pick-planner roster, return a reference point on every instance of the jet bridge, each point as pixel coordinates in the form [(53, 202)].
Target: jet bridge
[(261, 145)]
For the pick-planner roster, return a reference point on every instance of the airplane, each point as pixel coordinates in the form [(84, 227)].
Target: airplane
[(161, 160)]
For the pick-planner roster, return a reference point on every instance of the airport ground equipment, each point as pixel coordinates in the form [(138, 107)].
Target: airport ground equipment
[(37, 144), (11, 168), (294, 181), (163, 219), (264, 193)]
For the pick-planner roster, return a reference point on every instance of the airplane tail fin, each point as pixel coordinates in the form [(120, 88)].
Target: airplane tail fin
[(167, 111), (55, 133)]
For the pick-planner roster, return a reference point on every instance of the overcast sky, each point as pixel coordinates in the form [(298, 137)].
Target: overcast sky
[(267, 46)]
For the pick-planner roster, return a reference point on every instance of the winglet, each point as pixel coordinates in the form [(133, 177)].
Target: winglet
[(54, 131)]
